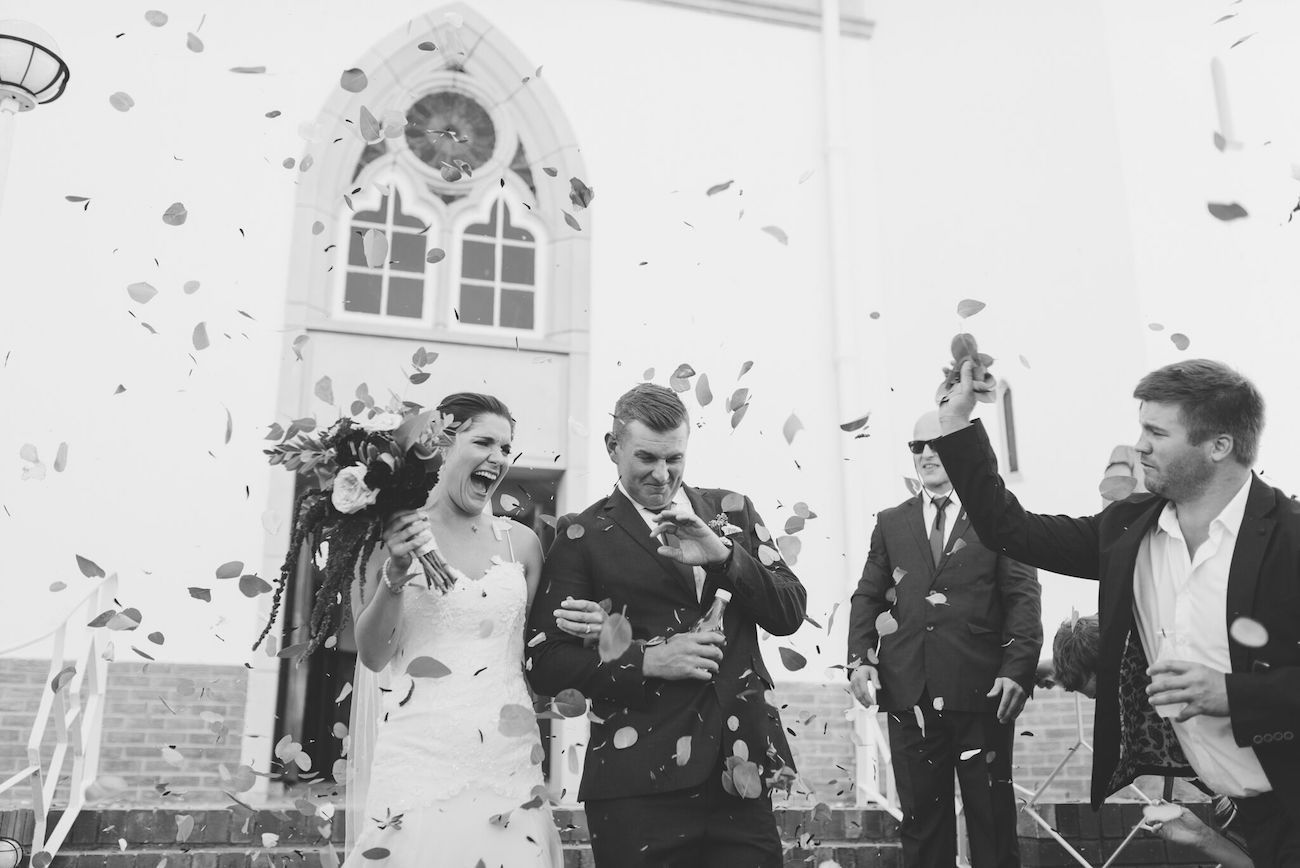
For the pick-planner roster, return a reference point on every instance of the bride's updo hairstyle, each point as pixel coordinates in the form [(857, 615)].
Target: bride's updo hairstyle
[(463, 406)]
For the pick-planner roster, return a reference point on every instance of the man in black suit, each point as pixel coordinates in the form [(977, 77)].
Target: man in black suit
[(1199, 595), (686, 749), (959, 629)]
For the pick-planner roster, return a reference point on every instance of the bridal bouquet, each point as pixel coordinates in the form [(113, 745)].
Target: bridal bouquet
[(366, 467)]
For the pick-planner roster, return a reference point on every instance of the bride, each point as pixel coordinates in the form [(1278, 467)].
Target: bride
[(456, 773)]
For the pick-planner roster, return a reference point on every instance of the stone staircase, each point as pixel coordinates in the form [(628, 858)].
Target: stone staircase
[(289, 838)]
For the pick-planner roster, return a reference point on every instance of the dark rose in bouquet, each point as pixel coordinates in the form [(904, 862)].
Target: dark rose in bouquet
[(366, 468)]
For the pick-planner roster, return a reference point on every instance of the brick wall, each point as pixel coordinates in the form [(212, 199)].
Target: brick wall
[(823, 745), (822, 741), (197, 709), (155, 705)]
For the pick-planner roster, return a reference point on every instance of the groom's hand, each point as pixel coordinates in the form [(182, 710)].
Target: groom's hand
[(687, 539), (684, 656), (957, 404)]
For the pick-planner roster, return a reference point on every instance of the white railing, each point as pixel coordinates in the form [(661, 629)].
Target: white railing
[(77, 710), (1030, 807), (872, 760)]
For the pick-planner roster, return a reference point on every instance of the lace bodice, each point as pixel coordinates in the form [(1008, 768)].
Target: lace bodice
[(441, 733)]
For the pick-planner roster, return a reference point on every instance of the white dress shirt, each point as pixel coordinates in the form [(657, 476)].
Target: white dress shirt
[(950, 514), (1180, 604), (652, 521)]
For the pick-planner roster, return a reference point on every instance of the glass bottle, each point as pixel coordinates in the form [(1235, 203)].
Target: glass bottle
[(712, 619)]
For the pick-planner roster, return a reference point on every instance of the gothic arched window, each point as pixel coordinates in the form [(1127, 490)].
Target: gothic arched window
[(395, 287), (498, 272)]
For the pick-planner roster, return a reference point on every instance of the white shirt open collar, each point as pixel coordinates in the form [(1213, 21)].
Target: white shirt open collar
[(1226, 524)]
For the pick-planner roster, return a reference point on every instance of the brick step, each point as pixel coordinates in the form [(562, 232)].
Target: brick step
[(575, 856), (226, 838), (105, 829)]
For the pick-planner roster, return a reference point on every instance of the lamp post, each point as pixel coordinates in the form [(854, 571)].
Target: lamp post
[(31, 73)]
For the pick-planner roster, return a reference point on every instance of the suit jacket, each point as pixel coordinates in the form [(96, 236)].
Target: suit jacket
[(1263, 584), (987, 625), (616, 558)]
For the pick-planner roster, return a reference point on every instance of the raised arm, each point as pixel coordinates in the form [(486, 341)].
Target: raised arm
[(1058, 543)]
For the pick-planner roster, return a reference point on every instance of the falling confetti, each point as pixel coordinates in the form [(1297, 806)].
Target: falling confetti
[(792, 659), (375, 244), (141, 293), (89, 568), (580, 194), (1227, 211), (427, 667), (791, 427), (175, 215), (353, 80), (683, 754), (615, 637), (1248, 632)]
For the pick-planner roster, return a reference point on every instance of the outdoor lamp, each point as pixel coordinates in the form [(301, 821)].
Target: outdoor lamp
[(31, 71)]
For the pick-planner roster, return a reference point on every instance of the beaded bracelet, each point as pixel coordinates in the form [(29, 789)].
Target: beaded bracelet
[(383, 572)]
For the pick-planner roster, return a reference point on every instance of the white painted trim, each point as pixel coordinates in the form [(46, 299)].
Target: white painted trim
[(543, 128)]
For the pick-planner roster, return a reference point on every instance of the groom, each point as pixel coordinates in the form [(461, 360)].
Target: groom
[(681, 764)]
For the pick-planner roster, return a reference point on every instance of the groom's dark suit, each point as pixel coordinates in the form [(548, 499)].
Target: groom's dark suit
[(1263, 584), (962, 623), (635, 794)]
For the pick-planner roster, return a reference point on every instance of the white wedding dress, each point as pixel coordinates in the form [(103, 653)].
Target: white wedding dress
[(456, 757)]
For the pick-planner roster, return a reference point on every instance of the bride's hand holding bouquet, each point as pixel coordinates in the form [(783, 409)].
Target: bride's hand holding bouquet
[(374, 471)]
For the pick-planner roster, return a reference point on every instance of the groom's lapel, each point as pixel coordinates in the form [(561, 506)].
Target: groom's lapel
[(625, 515)]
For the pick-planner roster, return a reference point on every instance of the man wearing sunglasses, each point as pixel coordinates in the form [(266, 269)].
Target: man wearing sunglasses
[(949, 633)]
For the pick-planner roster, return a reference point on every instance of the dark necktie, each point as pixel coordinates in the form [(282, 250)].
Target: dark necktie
[(937, 532)]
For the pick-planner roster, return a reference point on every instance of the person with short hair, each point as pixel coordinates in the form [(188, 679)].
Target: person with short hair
[(1074, 654), (685, 750), (950, 631), (1199, 660)]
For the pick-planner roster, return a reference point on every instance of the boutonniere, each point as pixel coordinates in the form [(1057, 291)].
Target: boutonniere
[(722, 527)]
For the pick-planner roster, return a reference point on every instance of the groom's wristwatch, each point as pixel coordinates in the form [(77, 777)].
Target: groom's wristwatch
[(721, 566)]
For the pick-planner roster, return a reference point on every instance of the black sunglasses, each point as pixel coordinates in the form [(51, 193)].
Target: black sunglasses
[(918, 446)]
